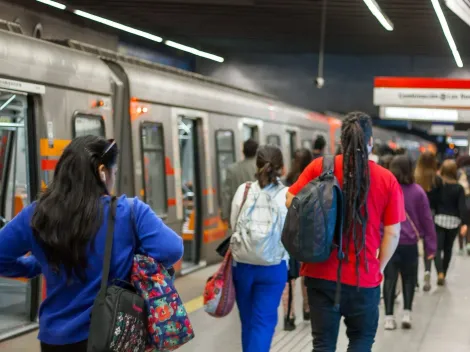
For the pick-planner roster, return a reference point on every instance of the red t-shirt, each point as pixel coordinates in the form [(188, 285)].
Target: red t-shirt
[(385, 205)]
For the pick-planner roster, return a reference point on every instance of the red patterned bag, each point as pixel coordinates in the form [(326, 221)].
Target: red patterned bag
[(219, 293)]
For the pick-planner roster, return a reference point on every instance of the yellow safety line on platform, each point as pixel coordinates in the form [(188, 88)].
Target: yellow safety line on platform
[(194, 304)]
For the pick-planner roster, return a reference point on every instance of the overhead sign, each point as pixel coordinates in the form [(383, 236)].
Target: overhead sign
[(22, 86), (431, 92), (422, 97)]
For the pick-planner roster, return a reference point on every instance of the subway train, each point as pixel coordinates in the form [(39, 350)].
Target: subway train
[(177, 131)]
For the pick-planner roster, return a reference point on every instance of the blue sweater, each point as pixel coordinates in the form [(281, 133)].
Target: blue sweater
[(64, 316)]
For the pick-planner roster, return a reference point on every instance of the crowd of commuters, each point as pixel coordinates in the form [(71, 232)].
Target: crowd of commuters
[(391, 207)]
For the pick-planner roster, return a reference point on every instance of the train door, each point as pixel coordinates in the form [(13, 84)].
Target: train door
[(190, 140), (19, 299)]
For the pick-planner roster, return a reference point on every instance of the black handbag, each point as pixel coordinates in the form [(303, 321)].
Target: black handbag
[(118, 319)]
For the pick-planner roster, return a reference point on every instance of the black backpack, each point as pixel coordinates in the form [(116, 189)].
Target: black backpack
[(314, 221), (118, 320)]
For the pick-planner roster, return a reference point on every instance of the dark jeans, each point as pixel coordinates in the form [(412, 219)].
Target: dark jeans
[(405, 262), (359, 307), (76, 347), (445, 243)]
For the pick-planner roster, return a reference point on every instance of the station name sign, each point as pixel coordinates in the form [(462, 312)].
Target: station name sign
[(22, 86), (421, 97), (423, 92)]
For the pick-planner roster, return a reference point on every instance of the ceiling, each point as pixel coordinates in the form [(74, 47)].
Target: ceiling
[(285, 26)]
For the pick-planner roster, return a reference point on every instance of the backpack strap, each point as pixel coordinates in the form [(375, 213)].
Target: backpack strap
[(245, 196), (328, 164)]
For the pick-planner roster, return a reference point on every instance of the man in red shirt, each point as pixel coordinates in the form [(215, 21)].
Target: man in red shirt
[(372, 196)]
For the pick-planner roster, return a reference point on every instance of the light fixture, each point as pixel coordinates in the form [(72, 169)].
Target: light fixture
[(194, 51), (55, 4), (418, 114), (446, 30), (461, 8), (118, 26), (377, 12)]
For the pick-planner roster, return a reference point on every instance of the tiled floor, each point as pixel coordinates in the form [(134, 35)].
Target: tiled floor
[(441, 323)]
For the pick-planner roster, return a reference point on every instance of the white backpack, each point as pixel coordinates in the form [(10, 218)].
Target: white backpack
[(257, 236)]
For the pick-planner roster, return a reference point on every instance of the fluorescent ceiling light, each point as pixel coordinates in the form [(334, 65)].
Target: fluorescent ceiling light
[(419, 114), (377, 12), (446, 30), (57, 5), (194, 51), (118, 26)]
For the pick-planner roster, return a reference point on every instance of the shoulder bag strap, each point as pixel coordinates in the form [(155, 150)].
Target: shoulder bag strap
[(415, 229), (108, 249)]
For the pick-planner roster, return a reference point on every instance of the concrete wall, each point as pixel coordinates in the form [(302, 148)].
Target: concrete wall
[(349, 79), (55, 28)]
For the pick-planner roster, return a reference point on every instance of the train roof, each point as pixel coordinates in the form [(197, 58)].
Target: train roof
[(191, 90), (34, 60)]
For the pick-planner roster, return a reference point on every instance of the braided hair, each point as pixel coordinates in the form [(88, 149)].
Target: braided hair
[(269, 162), (356, 133)]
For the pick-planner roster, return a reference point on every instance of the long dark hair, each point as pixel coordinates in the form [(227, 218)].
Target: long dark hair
[(68, 214), (402, 168), (269, 162), (356, 133), (302, 158)]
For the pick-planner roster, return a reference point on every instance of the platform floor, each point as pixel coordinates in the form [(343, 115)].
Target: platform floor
[(441, 322)]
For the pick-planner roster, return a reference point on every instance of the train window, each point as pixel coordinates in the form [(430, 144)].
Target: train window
[(85, 125), (153, 161), (225, 149), (274, 139), (307, 143), (292, 140), (250, 131)]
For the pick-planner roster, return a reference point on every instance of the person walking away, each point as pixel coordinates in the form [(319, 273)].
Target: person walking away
[(371, 195), (463, 164), (302, 159), (259, 276), (426, 175), (65, 230), (451, 212), (237, 174), (319, 147), (404, 262), (385, 161)]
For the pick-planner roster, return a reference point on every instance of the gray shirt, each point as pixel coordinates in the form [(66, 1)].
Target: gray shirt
[(237, 174)]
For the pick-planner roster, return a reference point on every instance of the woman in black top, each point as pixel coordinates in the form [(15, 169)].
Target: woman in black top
[(450, 214), (302, 159)]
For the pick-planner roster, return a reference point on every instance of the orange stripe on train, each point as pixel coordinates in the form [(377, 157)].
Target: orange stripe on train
[(57, 148)]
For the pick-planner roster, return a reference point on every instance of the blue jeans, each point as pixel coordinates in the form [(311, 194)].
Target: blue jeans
[(360, 308), (258, 292)]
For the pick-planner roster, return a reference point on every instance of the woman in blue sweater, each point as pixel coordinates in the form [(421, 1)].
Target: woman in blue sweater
[(65, 232)]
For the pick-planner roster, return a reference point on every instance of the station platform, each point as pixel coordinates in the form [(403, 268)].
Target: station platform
[(441, 321)]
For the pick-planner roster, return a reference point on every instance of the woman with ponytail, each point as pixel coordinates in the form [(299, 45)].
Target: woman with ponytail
[(371, 196), (259, 287), (65, 230)]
